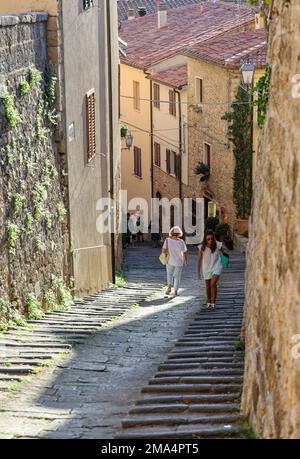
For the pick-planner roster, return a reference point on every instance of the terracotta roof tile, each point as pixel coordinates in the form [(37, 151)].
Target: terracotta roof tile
[(175, 76), (233, 50), (187, 26)]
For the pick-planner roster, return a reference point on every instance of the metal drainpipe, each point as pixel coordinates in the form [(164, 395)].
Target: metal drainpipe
[(180, 147), (151, 138), (111, 136)]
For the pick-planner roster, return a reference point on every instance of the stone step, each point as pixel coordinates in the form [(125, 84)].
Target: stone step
[(38, 346), (200, 372), (183, 407), (194, 364), (193, 388), (208, 379), (202, 359), (184, 432), (198, 353), (16, 370), (203, 345), (179, 419)]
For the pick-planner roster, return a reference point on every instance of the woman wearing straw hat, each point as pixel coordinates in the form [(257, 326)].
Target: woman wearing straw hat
[(176, 250)]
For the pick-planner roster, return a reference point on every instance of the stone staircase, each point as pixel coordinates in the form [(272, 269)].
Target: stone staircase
[(196, 390), (23, 351)]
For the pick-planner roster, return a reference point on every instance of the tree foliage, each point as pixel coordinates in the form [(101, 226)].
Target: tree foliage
[(239, 133)]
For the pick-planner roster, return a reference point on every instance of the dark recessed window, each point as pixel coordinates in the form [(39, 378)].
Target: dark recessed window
[(137, 162), (87, 4)]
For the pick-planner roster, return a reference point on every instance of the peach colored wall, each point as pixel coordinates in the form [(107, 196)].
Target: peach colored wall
[(21, 6), (138, 123)]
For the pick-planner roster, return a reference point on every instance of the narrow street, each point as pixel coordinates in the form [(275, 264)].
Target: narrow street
[(87, 367)]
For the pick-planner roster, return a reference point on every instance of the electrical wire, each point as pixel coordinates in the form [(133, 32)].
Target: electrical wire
[(185, 103)]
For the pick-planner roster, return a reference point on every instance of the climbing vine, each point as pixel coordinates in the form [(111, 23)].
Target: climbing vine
[(29, 184), (262, 92), (11, 113), (239, 133)]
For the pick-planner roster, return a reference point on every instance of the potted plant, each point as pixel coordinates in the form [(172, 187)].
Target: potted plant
[(211, 223), (222, 231), (203, 170), (124, 131)]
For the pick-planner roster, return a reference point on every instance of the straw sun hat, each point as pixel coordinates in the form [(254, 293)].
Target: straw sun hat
[(176, 230)]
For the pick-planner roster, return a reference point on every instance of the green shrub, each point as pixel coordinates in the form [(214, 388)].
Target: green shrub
[(222, 229), (60, 212), (34, 76), (211, 223), (34, 308), (17, 202), (11, 114), (13, 234), (24, 87)]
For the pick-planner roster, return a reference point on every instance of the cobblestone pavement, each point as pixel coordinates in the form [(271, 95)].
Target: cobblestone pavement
[(88, 391), (196, 391)]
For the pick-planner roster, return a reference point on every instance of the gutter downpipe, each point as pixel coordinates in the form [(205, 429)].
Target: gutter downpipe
[(180, 148), (151, 138), (111, 136)]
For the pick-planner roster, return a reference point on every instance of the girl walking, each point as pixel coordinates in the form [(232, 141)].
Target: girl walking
[(209, 256), (176, 250)]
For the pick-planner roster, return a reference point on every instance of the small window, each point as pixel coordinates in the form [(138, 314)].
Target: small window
[(91, 124), (172, 102), (157, 158), (177, 166), (199, 91), (156, 95), (168, 161), (137, 162), (136, 95), (207, 154), (87, 4)]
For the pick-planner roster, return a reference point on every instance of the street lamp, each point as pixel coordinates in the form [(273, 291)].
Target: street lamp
[(129, 141), (248, 70)]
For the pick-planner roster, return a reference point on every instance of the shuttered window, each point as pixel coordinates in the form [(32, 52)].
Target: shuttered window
[(172, 102), (137, 162), (207, 153), (177, 166), (91, 124), (156, 95), (157, 161), (199, 90), (168, 161), (88, 4), (136, 95)]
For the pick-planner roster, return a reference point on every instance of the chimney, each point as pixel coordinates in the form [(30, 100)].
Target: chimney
[(260, 21), (162, 13), (142, 11), (130, 14)]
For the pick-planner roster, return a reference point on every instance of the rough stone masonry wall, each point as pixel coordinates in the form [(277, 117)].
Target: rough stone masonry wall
[(30, 171), (272, 376)]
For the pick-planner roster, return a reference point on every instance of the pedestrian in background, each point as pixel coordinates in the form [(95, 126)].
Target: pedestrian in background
[(175, 249), (209, 261)]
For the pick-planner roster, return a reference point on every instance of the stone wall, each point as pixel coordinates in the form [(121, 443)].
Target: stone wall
[(165, 184), (271, 395), (31, 196), (207, 126)]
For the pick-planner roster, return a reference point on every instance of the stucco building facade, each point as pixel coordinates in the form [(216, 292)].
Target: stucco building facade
[(87, 135), (217, 67)]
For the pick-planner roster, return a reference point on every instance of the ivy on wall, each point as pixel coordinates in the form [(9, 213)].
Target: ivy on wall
[(262, 91), (30, 215), (239, 133)]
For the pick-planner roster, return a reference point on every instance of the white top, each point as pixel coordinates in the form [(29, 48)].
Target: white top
[(176, 249), (211, 261)]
